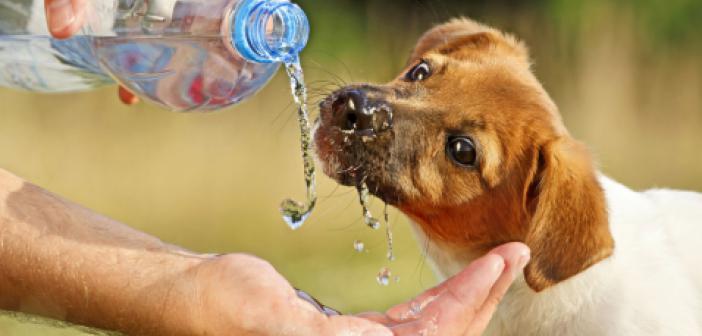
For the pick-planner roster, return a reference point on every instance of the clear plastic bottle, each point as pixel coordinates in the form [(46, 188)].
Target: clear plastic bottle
[(183, 54)]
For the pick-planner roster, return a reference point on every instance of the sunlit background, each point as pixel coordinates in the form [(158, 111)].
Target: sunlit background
[(627, 76)]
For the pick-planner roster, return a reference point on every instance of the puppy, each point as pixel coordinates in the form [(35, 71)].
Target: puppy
[(470, 147)]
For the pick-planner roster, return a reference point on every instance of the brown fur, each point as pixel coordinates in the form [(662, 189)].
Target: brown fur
[(533, 182)]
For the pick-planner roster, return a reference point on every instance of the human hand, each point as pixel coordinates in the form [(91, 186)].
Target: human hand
[(100, 273), (463, 304), (238, 294), (64, 18)]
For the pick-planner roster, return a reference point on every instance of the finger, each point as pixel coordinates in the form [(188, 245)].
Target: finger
[(126, 96), (412, 309), (516, 256), (350, 325), (309, 321), (376, 317), (453, 310), (64, 17), (412, 328)]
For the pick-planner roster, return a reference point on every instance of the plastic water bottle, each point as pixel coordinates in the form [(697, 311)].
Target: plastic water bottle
[(183, 54)]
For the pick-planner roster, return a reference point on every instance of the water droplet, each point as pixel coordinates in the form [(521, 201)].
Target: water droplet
[(431, 327), (415, 309), (330, 311), (295, 213), (390, 256), (371, 222), (383, 276), (358, 246)]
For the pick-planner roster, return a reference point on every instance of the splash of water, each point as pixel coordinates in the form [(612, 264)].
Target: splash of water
[(296, 213)]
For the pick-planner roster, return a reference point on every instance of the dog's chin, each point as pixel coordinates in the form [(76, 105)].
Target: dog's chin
[(341, 163), (385, 193)]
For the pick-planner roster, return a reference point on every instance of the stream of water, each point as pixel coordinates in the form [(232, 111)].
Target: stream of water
[(295, 213)]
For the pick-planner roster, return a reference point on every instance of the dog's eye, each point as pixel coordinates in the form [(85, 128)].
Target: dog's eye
[(419, 73), (462, 151)]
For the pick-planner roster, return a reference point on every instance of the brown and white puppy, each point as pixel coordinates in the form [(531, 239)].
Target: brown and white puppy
[(467, 143)]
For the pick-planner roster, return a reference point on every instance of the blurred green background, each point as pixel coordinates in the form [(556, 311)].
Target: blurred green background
[(626, 74)]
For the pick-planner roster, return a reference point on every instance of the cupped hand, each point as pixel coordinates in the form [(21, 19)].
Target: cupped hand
[(462, 305), (64, 18), (239, 294)]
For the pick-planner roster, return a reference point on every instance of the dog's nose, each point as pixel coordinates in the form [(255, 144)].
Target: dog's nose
[(355, 112)]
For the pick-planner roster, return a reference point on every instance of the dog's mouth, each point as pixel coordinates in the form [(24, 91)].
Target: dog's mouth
[(353, 136)]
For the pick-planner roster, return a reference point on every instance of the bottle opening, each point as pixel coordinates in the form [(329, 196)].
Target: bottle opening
[(268, 31)]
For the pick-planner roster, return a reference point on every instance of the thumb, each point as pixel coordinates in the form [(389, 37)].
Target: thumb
[(516, 256)]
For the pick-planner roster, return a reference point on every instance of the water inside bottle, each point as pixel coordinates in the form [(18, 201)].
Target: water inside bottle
[(183, 73), (294, 212)]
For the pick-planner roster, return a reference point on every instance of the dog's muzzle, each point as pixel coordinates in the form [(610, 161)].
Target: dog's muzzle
[(356, 113)]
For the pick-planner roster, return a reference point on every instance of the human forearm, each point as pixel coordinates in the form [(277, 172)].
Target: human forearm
[(63, 261)]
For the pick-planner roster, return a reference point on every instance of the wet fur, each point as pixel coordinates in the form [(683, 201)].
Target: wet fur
[(600, 265)]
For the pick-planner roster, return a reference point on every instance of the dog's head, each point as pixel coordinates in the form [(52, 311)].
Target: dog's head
[(468, 144)]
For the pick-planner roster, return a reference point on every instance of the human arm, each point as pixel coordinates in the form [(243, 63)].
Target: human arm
[(62, 261)]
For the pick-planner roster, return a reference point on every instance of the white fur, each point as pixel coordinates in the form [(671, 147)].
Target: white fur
[(651, 285)]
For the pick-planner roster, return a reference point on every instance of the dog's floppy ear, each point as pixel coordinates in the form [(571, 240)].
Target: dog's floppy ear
[(569, 229), (465, 33)]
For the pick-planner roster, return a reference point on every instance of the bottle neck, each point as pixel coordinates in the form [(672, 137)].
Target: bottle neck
[(269, 31)]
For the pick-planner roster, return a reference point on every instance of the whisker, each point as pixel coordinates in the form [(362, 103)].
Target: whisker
[(338, 60), (421, 263), (351, 169), (277, 115)]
